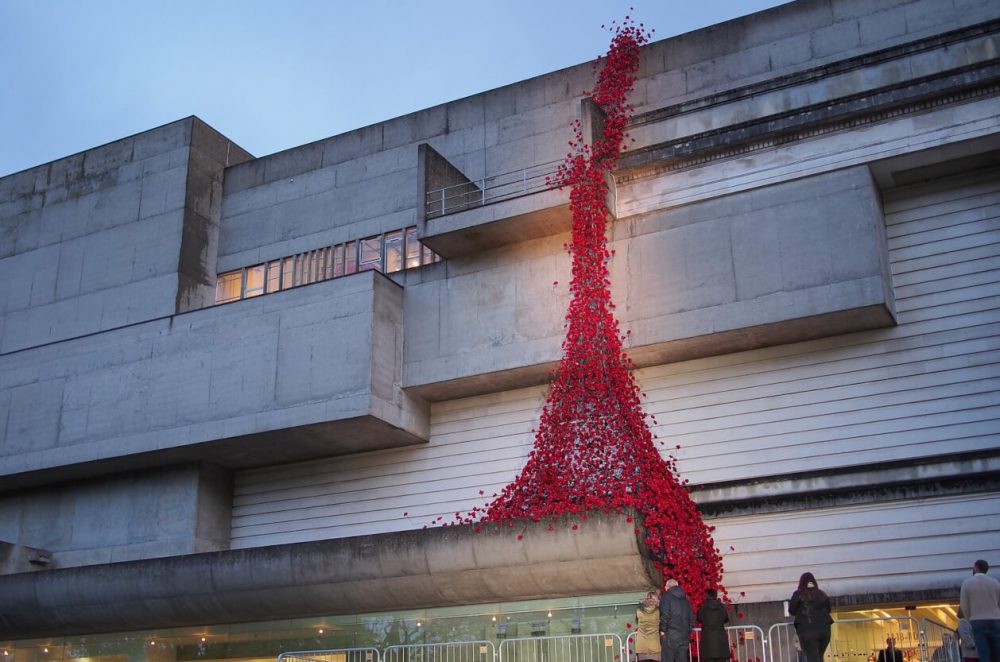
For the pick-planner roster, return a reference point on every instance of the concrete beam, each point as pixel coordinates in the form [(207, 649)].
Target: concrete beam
[(437, 567)]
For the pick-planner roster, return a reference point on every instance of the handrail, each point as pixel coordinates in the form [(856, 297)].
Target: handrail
[(480, 192)]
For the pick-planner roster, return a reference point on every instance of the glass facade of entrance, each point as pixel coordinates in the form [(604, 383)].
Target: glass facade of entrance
[(266, 640), (922, 633)]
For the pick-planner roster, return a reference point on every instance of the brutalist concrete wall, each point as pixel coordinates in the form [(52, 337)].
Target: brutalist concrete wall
[(210, 153), (365, 182), (116, 235), (778, 264), (174, 510), (309, 372)]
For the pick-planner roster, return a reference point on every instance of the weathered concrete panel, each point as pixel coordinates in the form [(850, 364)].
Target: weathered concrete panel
[(788, 262), (83, 232), (181, 509), (435, 567), (317, 367)]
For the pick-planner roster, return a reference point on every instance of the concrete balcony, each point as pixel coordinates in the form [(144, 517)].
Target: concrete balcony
[(459, 216), (308, 372)]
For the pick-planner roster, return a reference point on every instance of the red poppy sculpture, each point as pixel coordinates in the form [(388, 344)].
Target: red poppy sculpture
[(593, 448)]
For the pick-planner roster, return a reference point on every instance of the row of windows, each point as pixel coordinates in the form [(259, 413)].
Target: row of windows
[(388, 253)]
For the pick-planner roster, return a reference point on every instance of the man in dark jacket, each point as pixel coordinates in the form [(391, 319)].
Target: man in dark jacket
[(676, 621), (890, 653)]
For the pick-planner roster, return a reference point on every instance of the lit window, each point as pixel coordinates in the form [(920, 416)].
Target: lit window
[(255, 281), (393, 251), (412, 248), (313, 270), (350, 257), (273, 276), (287, 272), (371, 254), (227, 287), (430, 256), (327, 272), (338, 260)]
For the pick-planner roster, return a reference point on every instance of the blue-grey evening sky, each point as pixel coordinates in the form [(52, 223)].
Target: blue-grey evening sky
[(274, 75)]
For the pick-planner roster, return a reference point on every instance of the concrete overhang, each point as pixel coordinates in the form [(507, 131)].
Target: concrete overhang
[(500, 223), (436, 567), (300, 374), (796, 261)]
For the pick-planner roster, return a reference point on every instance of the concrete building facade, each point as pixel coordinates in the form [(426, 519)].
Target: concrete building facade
[(236, 390)]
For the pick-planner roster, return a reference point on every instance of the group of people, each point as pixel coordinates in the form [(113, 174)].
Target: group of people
[(665, 621)]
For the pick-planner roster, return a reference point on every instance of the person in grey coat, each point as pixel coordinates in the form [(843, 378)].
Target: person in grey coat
[(676, 622)]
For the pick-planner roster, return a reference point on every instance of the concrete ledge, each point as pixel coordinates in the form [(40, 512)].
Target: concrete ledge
[(305, 373), (498, 224), (961, 473), (428, 568)]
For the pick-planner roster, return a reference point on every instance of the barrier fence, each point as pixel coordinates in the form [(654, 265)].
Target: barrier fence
[(458, 651), (938, 642), (335, 655), (572, 648), (851, 640)]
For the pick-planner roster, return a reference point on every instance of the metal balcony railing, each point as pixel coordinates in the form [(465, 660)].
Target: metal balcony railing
[(477, 193)]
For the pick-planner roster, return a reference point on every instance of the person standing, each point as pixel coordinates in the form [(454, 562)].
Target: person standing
[(676, 621), (647, 628), (966, 642), (811, 608), (979, 600), (714, 643), (890, 653)]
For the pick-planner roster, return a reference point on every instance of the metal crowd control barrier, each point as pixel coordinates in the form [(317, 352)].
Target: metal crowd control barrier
[(938, 642), (782, 644), (333, 655), (861, 639), (455, 651), (852, 640), (570, 648), (746, 644)]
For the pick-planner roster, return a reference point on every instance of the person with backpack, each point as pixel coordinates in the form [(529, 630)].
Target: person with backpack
[(811, 608)]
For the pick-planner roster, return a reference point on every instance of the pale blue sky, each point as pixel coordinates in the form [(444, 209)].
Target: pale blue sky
[(273, 75)]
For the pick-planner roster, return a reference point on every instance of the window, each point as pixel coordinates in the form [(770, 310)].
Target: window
[(338, 260), (229, 286), (350, 257), (389, 253), (273, 276), (254, 285), (393, 251), (287, 272), (412, 248), (371, 254)]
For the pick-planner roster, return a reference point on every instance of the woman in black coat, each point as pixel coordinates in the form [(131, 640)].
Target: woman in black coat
[(811, 608), (714, 643)]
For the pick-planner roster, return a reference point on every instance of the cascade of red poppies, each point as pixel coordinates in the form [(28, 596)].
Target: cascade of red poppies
[(593, 447)]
